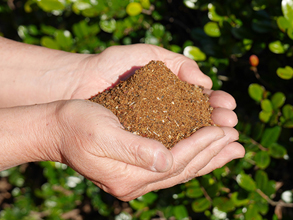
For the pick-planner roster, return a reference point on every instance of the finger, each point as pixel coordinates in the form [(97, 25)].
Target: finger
[(185, 150), (204, 157), (142, 152), (232, 151), (221, 99), (198, 162), (190, 72), (224, 117)]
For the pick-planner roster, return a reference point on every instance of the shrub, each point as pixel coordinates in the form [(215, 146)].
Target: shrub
[(244, 46)]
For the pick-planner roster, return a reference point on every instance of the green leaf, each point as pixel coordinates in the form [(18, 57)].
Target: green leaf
[(108, 26), (261, 179), (287, 111), (194, 192), (200, 205), (148, 198), (278, 99), (256, 91), (246, 182), (194, 53), (212, 14), (51, 5), (262, 159), (287, 9), (285, 73), (288, 123), (64, 39), (158, 30), (270, 135), (50, 43), (191, 4), (290, 32), (224, 204), (252, 213), (212, 29), (277, 151), (266, 105), (277, 47), (283, 23), (265, 116), (238, 202), (48, 29), (137, 205), (180, 212), (134, 8)]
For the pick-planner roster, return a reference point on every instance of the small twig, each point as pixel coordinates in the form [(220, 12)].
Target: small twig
[(258, 144), (206, 195), (274, 203)]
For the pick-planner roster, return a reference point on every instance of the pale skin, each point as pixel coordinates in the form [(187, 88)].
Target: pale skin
[(44, 116)]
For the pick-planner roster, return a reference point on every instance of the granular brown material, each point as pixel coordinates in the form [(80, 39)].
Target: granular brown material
[(155, 103)]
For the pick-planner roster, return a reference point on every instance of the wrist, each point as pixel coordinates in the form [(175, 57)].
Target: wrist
[(28, 134)]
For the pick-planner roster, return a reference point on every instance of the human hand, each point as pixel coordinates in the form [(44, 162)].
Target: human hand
[(126, 165)]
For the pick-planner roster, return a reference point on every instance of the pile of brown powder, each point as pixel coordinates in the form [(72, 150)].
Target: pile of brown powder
[(155, 103)]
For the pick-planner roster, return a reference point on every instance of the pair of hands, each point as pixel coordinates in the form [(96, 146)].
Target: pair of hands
[(87, 136), (126, 165)]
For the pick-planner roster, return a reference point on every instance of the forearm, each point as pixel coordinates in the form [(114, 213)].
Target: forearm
[(32, 74), (27, 134)]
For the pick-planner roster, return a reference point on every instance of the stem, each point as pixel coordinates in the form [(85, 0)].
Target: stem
[(274, 203)]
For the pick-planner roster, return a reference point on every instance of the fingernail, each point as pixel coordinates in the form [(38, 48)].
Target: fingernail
[(161, 162)]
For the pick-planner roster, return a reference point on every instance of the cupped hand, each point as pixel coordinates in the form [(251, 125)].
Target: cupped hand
[(126, 165)]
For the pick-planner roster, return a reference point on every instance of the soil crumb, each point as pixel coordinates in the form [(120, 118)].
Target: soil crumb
[(155, 103)]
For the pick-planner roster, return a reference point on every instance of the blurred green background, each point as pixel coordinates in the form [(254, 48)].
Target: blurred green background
[(244, 46)]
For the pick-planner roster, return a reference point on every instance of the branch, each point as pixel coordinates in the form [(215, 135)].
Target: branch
[(274, 203)]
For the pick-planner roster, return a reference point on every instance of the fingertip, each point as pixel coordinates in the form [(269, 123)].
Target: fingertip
[(163, 161), (190, 72)]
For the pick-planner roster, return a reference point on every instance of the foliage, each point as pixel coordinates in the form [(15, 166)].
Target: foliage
[(244, 46)]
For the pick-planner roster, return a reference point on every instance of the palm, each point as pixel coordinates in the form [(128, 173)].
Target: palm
[(118, 63)]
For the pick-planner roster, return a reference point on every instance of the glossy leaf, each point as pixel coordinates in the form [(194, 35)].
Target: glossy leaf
[(224, 204), (252, 213), (212, 14), (277, 151), (288, 123), (285, 73), (180, 212), (212, 29), (246, 182), (277, 47), (290, 32), (283, 23), (256, 91), (287, 9), (134, 8), (148, 198), (266, 105), (265, 116), (262, 159), (108, 26), (50, 5), (238, 202), (261, 179), (158, 30), (278, 100), (194, 192), (64, 39), (200, 205), (287, 111), (49, 42), (271, 135), (194, 53), (190, 4)]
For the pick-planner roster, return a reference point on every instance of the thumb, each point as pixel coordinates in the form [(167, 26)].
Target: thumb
[(139, 151)]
